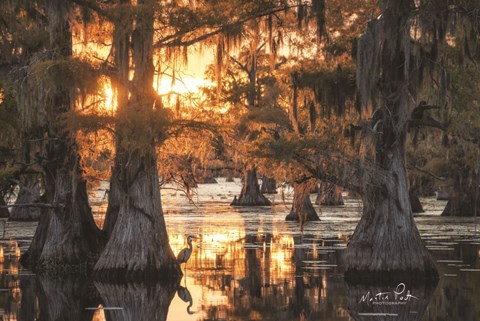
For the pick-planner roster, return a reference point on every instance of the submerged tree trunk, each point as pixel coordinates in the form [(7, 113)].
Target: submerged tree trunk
[(443, 195), (4, 213), (302, 207), (32, 255), (463, 197), (138, 247), (71, 236), (121, 49), (29, 193), (329, 195), (229, 174), (251, 194), (386, 241), (114, 192), (415, 201), (269, 185), (462, 204)]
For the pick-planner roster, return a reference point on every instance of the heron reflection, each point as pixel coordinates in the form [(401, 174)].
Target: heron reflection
[(185, 296)]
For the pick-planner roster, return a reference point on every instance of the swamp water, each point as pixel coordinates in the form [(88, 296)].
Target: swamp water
[(249, 264)]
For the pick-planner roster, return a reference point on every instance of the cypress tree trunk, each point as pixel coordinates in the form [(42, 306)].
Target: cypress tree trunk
[(114, 199), (4, 213), (71, 235), (269, 185), (461, 204), (302, 207), (29, 193), (251, 194), (463, 196), (31, 256), (415, 201), (121, 46), (386, 241), (443, 195), (138, 246), (329, 195), (229, 174)]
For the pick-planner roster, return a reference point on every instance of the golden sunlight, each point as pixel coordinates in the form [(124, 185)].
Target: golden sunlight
[(108, 96), (184, 86)]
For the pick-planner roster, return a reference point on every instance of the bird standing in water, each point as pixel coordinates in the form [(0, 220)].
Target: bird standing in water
[(185, 254)]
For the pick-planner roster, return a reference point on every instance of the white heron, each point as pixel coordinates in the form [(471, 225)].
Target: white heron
[(185, 254)]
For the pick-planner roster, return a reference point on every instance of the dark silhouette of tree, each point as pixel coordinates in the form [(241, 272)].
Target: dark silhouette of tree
[(67, 235)]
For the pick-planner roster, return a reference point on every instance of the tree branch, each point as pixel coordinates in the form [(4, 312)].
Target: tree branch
[(426, 172), (175, 40)]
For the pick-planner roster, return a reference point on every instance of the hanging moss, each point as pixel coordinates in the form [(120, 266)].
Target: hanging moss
[(65, 74), (333, 88)]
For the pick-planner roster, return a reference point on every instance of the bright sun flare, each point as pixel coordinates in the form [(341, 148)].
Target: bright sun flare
[(185, 86)]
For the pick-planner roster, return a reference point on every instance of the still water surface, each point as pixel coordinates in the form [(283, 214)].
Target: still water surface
[(249, 264)]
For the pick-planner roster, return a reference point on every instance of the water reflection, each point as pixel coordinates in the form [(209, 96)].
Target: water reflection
[(262, 276), (249, 264), (134, 301), (185, 296), (28, 304), (65, 299)]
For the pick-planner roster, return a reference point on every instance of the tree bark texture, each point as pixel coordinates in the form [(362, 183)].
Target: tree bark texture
[(70, 235), (329, 195), (251, 194), (114, 192), (29, 193), (121, 49), (138, 247), (415, 202), (140, 302), (269, 185), (30, 257), (386, 241), (4, 213), (302, 207), (463, 198), (461, 205)]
